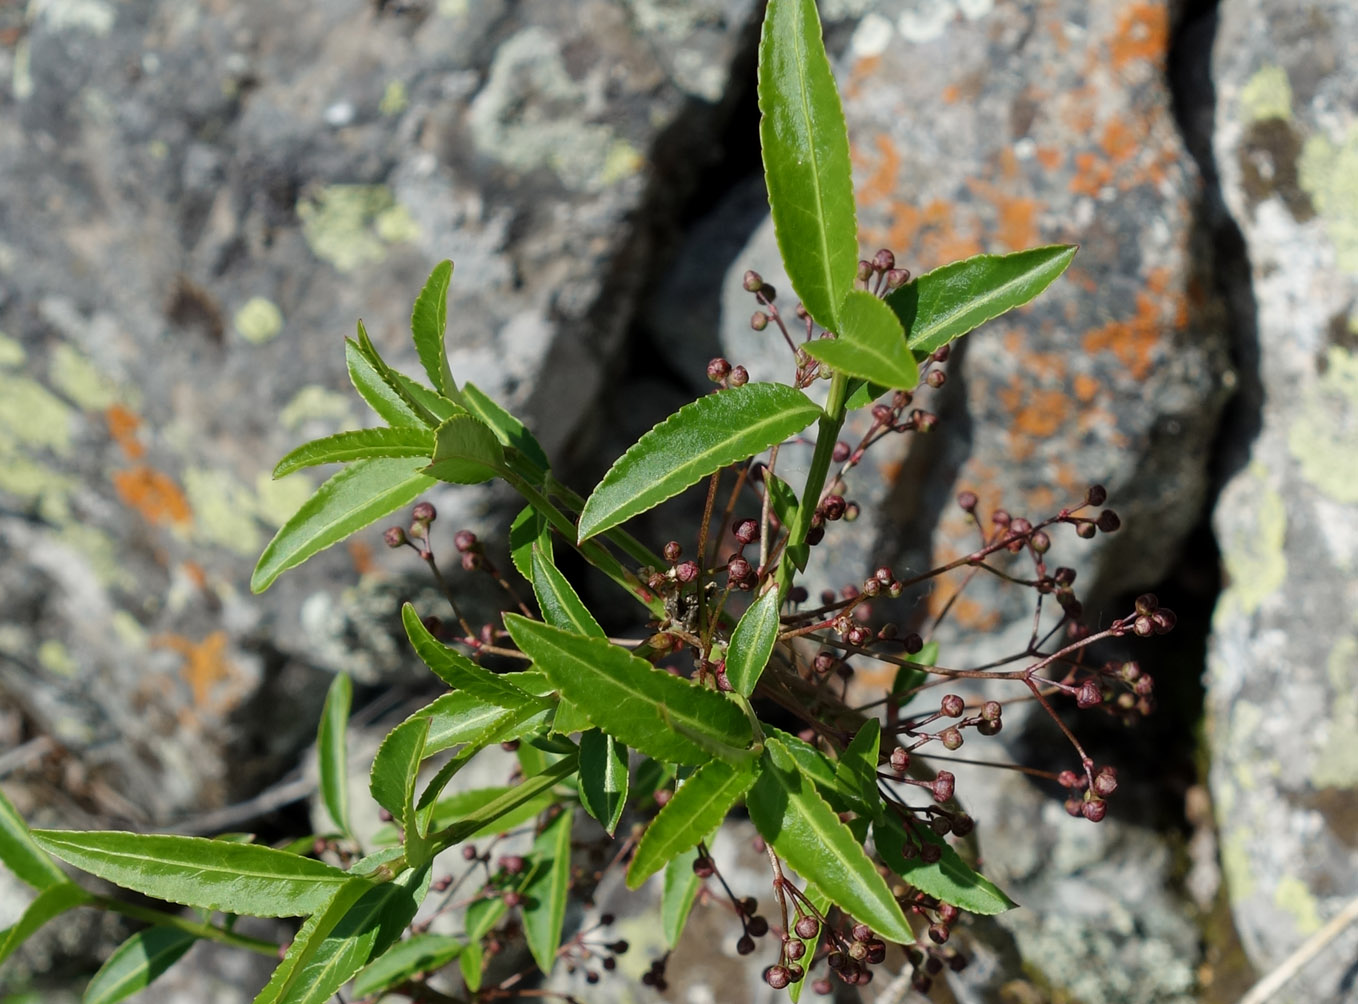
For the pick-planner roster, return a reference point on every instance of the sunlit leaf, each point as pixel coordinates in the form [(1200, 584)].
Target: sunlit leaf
[(428, 326), (870, 344), (696, 809), (752, 643), (358, 444), (332, 750), (603, 777), (544, 910)]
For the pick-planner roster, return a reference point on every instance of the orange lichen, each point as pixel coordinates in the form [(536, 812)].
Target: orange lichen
[(951, 94), (1119, 140), (1034, 412), (195, 573), (1133, 340), (361, 553), (205, 664), (152, 493), (1050, 157), (1086, 387), (1142, 33), (881, 183), (122, 429), (1092, 174)]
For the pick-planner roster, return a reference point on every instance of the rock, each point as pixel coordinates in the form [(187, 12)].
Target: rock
[(200, 201), (1283, 665)]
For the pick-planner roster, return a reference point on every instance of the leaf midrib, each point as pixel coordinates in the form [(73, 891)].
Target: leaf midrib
[(970, 305)]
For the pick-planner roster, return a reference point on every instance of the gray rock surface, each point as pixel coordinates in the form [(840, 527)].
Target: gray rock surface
[(1283, 666)]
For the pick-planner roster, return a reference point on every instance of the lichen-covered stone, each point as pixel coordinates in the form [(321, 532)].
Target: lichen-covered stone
[(1283, 665)]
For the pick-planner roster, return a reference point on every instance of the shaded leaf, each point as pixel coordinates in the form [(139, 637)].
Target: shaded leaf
[(520, 794), (603, 777), (857, 766), (805, 146), (422, 953), (696, 809), (358, 444), (461, 805), (332, 750), (870, 344), (508, 429), (908, 680), (862, 393), (210, 874), (395, 769), (377, 389), (629, 698), (544, 908), (400, 384), (466, 452), (428, 325), (950, 878), (363, 492), (752, 643), (135, 964), (680, 890), (802, 827), (561, 605), (699, 439), (529, 529), (18, 852), (950, 301), (49, 903), (459, 672)]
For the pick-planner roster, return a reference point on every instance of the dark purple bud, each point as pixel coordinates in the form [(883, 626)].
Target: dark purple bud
[(752, 281), (758, 926), (739, 377), (807, 927), (912, 643), (991, 711), (833, 507), (930, 854), (841, 452), (943, 785), (951, 738), (1085, 531), (794, 949), (1109, 521), (815, 535), (962, 825), (967, 501), (718, 370), (936, 378), (952, 705), (897, 277), (777, 977), (1089, 695), (1164, 620), (883, 260), (864, 269), (1094, 810), (1106, 781), (759, 320), (1065, 577), (737, 569), (1147, 604), (1040, 542), (686, 571), (672, 551), (464, 541), (1096, 495), (394, 536), (746, 530), (471, 561), (745, 945), (938, 933), (423, 513), (703, 868), (899, 760)]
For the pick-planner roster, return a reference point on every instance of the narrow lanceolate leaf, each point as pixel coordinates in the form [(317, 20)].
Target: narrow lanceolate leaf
[(544, 909), (422, 953), (358, 924), (136, 963), (374, 386), (459, 672), (466, 452), (752, 643), (358, 444), (529, 529), (631, 699), (910, 678), (332, 750), (21, 855), (212, 874), (676, 899), (455, 719), (363, 492), (461, 805), (697, 809), (51, 902), (800, 825), (399, 383), (949, 301), (857, 766), (805, 145), (428, 325), (949, 878), (603, 777), (394, 772), (521, 794), (836, 789), (561, 605), (509, 430), (870, 344), (699, 439)]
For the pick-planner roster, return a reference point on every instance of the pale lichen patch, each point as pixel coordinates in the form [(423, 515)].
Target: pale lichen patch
[(259, 320), (1324, 436), (1267, 95), (1328, 173)]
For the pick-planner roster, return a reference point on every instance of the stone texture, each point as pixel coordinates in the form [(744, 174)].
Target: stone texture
[(199, 200), (1283, 666)]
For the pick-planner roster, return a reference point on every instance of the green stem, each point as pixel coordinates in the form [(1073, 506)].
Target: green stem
[(827, 434), (209, 932)]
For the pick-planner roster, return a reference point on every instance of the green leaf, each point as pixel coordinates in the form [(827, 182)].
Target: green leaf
[(676, 899), (857, 766), (459, 672), (466, 452), (783, 501), (544, 907), (410, 393), (49, 903), (870, 344), (950, 878), (561, 605), (439, 407), (136, 963), (603, 777), (530, 529), (802, 827), (820, 903), (628, 697), (459, 806), (359, 923), (805, 146), (358, 444), (332, 751), (699, 439), (509, 430), (909, 679), (360, 494), (428, 325), (373, 385), (18, 852), (834, 788), (862, 393), (752, 643), (422, 953), (697, 809), (395, 769), (950, 301), (210, 874), (454, 719), (521, 794), (472, 962)]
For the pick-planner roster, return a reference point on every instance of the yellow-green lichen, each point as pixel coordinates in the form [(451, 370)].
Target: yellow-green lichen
[(278, 500), (452, 8), (350, 225), (56, 658), (94, 16), (128, 630), (100, 553), (1235, 866), (158, 149), (223, 509), (80, 380), (259, 320), (1254, 557), (1291, 896), (1324, 437), (623, 161), (33, 416), (1336, 764), (21, 83), (1267, 95), (315, 403), (395, 225), (11, 352), (1328, 173), (394, 98)]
